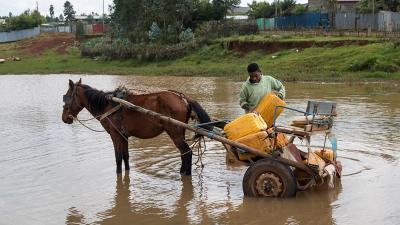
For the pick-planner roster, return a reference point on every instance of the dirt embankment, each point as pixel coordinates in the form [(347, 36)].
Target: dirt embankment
[(245, 47), (59, 42)]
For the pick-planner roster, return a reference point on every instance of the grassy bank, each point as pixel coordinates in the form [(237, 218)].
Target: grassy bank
[(376, 60)]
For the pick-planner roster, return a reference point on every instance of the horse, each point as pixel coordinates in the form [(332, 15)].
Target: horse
[(121, 122)]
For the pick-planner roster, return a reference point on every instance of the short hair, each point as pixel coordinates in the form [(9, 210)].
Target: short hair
[(253, 67)]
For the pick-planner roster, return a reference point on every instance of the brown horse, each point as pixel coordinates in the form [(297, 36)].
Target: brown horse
[(121, 122)]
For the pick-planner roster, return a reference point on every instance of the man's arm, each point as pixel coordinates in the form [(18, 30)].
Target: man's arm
[(243, 98), (278, 86)]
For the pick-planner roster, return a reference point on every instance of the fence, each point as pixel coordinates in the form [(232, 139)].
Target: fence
[(307, 20), (95, 28), (383, 21), (266, 24), (18, 35), (61, 29)]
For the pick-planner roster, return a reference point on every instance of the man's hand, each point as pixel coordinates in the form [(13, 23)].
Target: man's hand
[(246, 107), (278, 94)]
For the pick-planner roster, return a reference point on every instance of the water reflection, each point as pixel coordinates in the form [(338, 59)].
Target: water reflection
[(312, 207)]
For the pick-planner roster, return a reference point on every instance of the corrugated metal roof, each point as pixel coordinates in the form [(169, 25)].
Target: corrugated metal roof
[(348, 0)]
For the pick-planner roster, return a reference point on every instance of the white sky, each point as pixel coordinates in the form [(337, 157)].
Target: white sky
[(80, 6)]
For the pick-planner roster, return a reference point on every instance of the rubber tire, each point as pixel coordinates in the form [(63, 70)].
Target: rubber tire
[(267, 165)]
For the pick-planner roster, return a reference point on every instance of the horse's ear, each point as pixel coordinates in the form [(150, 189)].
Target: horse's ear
[(80, 81), (71, 84)]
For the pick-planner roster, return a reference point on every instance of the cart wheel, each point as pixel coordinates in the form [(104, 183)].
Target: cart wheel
[(269, 178)]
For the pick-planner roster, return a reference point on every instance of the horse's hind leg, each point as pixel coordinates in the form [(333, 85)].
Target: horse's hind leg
[(121, 151), (178, 137)]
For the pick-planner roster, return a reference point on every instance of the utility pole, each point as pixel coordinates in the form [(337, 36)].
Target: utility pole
[(276, 14), (103, 16), (37, 6), (373, 12)]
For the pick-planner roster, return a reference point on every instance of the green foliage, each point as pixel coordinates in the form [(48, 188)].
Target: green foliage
[(261, 10), (26, 20), (154, 32), (286, 7), (299, 9), (69, 12), (267, 10), (186, 35), (123, 48), (51, 10), (365, 64), (133, 18), (80, 32)]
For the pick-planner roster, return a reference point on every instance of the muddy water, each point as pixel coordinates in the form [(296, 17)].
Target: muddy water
[(54, 173)]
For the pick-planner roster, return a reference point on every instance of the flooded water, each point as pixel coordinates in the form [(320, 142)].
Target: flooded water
[(54, 173)]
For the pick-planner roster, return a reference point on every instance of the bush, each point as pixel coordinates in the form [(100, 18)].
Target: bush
[(154, 32), (26, 20), (374, 64), (186, 35), (363, 64), (215, 29), (124, 49), (79, 30)]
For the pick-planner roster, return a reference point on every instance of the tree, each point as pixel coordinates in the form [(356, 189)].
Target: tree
[(266, 10), (261, 10), (26, 20), (69, 12), (286, 7), (51, 9), (299, 9), (221, 7), (61, 18), (391, 5)]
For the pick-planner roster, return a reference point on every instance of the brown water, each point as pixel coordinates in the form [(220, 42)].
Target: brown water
[(54, 173)]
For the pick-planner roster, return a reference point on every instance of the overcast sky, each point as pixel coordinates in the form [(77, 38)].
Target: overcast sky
[(80, 6)]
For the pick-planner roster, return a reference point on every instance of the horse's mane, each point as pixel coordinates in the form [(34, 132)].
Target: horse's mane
[(97, 99)]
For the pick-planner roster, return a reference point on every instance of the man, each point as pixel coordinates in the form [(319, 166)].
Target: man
[(256, 86)]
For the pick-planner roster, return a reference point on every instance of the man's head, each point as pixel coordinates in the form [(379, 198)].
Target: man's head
[(254, 72)]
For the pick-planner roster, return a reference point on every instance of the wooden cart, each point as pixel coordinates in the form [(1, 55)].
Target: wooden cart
[(269, 175)]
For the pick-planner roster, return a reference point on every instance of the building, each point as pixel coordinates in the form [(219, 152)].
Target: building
[(347, 5), (89, 19), (341, 5)]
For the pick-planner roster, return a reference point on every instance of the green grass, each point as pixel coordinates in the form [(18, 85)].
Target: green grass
[(376, 61)]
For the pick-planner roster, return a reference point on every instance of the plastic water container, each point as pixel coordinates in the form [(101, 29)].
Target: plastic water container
[(249, 123), (259, 141), (267, 106)]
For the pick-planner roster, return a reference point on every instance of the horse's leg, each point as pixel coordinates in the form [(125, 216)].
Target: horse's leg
[(121, 151), (125, 156), (178, 137)]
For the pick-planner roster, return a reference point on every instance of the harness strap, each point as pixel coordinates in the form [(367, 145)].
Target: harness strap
[(109, 112)]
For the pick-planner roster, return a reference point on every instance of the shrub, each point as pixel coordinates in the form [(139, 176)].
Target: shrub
[(124, 49), (363, 64), (186, 35)]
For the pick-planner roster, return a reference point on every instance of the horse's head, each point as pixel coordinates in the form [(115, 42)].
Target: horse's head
[(73, 103)]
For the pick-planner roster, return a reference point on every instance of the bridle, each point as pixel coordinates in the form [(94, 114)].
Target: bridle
[(69, 99)]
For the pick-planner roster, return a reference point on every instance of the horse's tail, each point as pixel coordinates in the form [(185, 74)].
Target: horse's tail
[(201, 114)]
